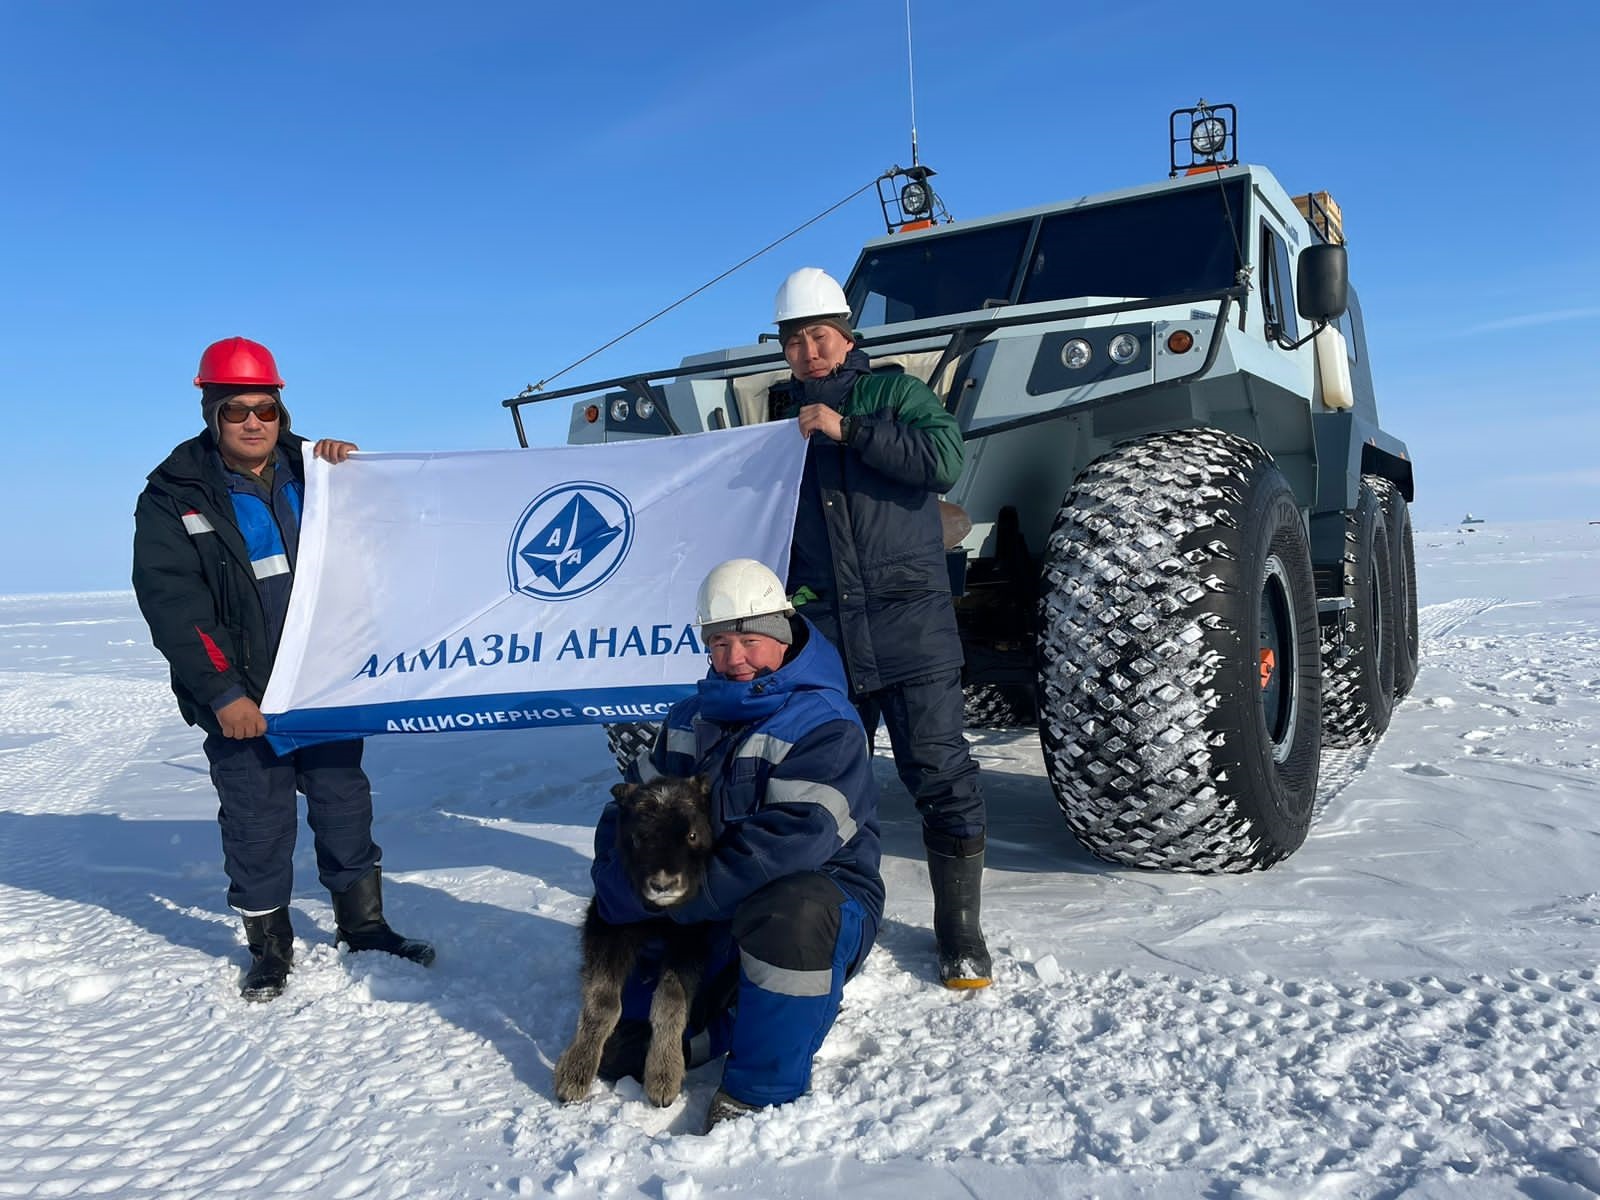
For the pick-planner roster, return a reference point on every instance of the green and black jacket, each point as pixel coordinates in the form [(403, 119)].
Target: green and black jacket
[(868, 541)]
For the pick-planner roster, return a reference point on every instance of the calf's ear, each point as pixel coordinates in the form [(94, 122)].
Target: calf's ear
[(702, 785), (621, 791)]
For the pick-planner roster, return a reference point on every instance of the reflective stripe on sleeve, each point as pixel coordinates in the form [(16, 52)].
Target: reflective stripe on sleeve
[(196, 522), (766, 747), (806, 791), (681, 741)]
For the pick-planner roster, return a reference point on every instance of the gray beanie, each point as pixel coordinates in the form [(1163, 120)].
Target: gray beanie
[(774, 625), (214, 395)]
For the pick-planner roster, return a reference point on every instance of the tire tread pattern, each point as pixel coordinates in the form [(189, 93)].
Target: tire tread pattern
[(1356, 708), (629, 739), (1127, 670)]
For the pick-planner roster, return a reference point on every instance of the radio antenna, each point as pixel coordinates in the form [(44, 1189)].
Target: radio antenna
[(911, 76)]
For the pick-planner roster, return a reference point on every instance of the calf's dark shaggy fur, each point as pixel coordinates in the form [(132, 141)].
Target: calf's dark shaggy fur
[(664, 841)]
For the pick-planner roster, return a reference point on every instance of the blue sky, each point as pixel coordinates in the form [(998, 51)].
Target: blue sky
[(421, 208)]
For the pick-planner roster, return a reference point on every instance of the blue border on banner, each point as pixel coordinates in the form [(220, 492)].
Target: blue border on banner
[(290, 731)]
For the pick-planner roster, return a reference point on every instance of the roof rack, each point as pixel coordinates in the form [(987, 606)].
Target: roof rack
[(1322, 212)]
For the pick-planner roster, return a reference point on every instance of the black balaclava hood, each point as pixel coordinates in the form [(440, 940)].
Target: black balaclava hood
[(214, 395)]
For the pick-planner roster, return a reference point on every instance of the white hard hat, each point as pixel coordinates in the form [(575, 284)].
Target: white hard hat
[(810, 292), (743, 595)]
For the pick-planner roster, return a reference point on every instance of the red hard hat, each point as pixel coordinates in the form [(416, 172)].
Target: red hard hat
[(238, 360)]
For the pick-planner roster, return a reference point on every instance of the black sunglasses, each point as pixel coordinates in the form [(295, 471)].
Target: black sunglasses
[(237, 414)]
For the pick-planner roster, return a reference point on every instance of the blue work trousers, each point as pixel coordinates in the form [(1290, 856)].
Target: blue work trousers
[(259, 816), (769, 995)]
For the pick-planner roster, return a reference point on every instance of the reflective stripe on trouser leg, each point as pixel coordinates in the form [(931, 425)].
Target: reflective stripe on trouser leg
[(258, 816), (927, 728), (799, 938), (339, 811)]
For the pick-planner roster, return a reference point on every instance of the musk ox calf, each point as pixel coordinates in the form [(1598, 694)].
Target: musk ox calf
[(664, 842)]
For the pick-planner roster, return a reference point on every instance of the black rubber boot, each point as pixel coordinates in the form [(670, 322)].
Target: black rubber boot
[(271, 941), (957, 895), (358, 913)]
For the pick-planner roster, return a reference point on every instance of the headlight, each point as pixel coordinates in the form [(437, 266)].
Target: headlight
[(1208, 136), (1124, 348), (914, 199), (619, 410), (646, 409), (1076, 353)]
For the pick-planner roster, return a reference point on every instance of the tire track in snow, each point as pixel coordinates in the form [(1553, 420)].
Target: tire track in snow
[(1339, 768), (84, 729), (129, 1064), (1441, 620), (1291, 1083)]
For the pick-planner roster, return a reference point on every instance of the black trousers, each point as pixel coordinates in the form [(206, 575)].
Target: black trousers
[(926, 720), (260, 816)]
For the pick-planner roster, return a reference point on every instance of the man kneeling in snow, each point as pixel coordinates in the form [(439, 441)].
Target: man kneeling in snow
[(792, 893)]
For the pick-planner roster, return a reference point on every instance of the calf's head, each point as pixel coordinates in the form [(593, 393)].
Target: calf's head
[(664, 837)]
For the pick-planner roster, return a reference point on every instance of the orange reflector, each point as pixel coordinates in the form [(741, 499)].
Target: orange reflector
[(911, 225), (1180, 341), (1269, 664), (1201, 170), (591, 413)]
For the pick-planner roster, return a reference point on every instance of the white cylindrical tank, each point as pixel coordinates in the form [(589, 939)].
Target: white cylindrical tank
[(1333, 369)]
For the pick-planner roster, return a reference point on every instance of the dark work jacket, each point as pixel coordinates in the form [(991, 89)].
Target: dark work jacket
[(193, 579), (791, 789), (867, 539)]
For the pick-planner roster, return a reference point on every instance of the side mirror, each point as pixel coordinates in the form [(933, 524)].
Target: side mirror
[(1322, 292)]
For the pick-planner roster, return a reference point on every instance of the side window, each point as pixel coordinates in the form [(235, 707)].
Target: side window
[(1350, 323), (1347, 327), (1277, 285), (874, 310)]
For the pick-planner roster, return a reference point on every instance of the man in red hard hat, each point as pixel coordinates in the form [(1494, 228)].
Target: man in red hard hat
[(217, 531)]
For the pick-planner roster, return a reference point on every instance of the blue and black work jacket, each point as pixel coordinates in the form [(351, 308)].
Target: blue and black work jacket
[(868, 543), (791, 789), (213, 564)]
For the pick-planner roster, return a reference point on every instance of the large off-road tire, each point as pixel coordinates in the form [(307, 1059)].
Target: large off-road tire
[(998, 706), (1358, 647), (628, 740), (1403, 566), (1178, 678)]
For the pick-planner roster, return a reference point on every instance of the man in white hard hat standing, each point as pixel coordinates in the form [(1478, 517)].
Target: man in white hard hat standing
[(868, 568), (792, 897)]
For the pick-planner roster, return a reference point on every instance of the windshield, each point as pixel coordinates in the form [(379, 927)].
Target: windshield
[(1162, 245), (934, 276)]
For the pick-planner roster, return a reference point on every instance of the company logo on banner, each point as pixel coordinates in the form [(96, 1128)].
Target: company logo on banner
[(431, 593), (570, 540)]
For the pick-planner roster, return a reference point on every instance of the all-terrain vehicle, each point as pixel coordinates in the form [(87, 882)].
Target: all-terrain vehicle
[(1189, 557)]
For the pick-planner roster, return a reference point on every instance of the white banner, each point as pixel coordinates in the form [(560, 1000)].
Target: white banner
[(505, 589)]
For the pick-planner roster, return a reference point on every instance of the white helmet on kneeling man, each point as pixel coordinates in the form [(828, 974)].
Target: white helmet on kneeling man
[(743, 596)]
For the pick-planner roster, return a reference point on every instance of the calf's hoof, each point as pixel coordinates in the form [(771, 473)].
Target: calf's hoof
[(574, 1075)]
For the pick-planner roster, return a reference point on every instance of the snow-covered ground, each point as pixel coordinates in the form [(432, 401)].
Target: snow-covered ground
[(1409, 1006)]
